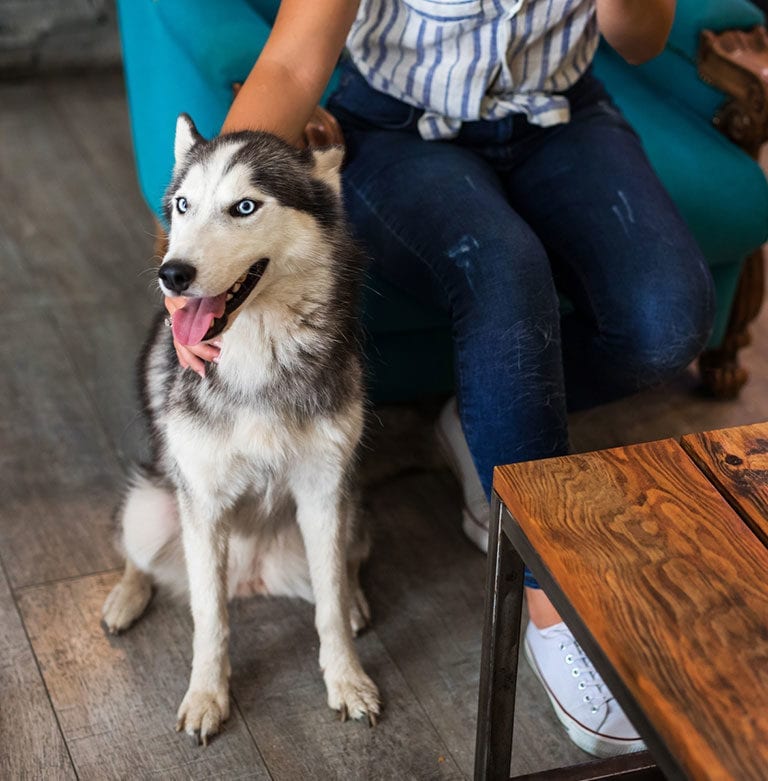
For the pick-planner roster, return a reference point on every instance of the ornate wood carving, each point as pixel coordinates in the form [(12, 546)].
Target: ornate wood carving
[(736, 62), (721, 373)]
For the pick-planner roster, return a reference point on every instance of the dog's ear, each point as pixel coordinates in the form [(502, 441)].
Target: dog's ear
[(186, 137), (327, 165)]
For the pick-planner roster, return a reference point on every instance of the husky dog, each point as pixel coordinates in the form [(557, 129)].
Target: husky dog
[(250, 486)]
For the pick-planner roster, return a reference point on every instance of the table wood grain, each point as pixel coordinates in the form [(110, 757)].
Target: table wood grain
[(671, 584), (735, 460)]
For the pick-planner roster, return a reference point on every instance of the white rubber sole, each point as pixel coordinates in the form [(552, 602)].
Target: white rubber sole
[(598, 745), (474, 530), (473, 527)]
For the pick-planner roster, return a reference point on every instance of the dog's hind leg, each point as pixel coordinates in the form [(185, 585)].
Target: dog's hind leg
[(358, 550), (149, 539), (127, 600), (359, 610)]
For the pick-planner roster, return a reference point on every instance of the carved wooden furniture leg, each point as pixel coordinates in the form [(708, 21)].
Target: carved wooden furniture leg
[(737, 63), (721, 373)]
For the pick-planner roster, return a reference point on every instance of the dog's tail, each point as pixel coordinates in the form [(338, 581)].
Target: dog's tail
[(150, 533)]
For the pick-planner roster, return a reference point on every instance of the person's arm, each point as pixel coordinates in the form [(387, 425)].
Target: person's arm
[(636, 29), (293, 69), (281, 92)]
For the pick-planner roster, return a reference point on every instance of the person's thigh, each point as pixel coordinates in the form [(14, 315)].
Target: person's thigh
[(436, 222), (621, 252)]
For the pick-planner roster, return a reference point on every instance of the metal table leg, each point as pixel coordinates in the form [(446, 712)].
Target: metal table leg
[(501, 647)]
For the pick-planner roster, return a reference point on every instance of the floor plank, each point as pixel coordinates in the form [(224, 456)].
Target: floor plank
[(117, 697), (103, 293), (108, 375), (426, 585), (93, 109), (121, 694), (279, 688), (59, 209), (59, 479), (32, 745)]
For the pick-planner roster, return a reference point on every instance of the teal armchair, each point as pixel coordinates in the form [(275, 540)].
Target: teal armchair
[(186, 56)]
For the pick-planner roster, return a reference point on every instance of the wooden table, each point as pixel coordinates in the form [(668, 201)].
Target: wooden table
[(656, 556)]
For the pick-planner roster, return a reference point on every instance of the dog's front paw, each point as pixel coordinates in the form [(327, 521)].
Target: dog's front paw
[(202, 713), (125, 603), (354, 695)]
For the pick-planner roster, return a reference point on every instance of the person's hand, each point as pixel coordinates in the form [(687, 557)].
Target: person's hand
[(194, 356)]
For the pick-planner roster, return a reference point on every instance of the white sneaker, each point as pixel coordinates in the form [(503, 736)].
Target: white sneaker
[(476, 511), (585, 706)]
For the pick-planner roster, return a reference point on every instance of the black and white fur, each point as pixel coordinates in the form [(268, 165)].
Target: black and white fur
[(250, 489)]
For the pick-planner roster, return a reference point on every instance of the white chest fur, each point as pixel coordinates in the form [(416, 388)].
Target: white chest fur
[(232, 456)]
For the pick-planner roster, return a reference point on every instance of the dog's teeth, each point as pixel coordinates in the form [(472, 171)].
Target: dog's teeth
[(230, 296), (235, 287)]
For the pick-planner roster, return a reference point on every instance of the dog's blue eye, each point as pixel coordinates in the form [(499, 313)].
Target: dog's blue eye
[(244, 208), (181, 204)]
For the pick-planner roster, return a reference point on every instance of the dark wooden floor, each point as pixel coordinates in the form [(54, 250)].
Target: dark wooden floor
[(77, 293)]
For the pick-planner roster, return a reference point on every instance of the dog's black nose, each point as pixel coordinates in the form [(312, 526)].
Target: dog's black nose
[(177, 275)]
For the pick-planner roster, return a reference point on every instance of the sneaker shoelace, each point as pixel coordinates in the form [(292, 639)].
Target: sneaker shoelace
[(596, 693)]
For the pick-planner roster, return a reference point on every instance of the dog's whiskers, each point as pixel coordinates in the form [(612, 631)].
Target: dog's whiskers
[(148, 270)]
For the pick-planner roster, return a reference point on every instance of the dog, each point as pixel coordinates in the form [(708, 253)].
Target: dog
[(250, 489)]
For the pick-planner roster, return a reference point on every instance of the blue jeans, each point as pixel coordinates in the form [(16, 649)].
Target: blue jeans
[(491, 225)]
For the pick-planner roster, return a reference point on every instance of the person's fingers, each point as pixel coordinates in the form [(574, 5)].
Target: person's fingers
[(196, 365), (195, 356), (208, 351), (181, 359), (174, 303)]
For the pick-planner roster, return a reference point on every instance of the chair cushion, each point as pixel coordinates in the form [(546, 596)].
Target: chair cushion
[(721, 192), (235, 34)]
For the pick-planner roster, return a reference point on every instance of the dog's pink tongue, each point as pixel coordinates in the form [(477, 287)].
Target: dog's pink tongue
[(191, 323)]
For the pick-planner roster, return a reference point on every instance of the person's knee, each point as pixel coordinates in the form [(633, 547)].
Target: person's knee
[(666, 326), (498, 281)]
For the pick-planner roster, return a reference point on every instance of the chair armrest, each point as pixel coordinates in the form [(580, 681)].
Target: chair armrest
[(693, 16), (673, 73), (736, 62)]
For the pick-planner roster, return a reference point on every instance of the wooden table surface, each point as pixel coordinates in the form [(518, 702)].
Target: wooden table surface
[(660, 549)]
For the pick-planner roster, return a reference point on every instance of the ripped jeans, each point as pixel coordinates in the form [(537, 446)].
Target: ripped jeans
[(491, 225)]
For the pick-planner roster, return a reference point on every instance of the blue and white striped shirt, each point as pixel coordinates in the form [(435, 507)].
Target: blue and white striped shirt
[(464, 60)]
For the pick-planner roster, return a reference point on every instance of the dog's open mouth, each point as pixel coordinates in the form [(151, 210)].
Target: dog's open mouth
[(204, 318)]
